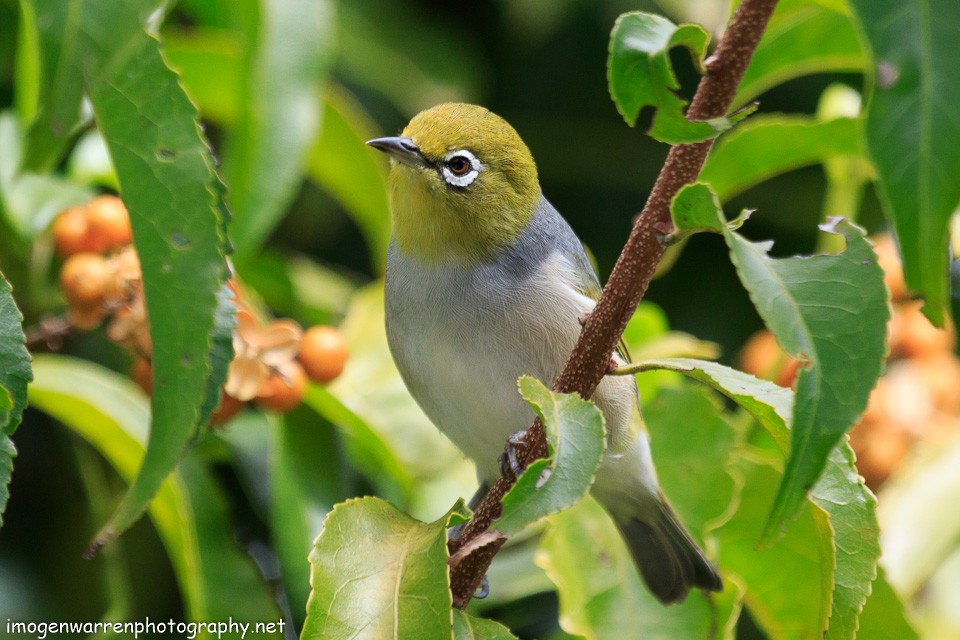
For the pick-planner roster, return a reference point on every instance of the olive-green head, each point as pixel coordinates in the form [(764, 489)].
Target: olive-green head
[(463, 185)]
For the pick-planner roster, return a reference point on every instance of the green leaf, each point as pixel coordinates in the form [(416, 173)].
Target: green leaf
[(368, 449), (151, 130), (830, 312), (306, 481), (770, 404), (296, 286), (7, 453), (913, 123), (279, 116), (342, 164), (840, 491), (601, 594), (406, 59), (210, 62), (640, 75), (217, 580), (883, 616), (693, 444), (468, 627), (221, 351), (28, 201), (15, 371), (380, 573), (788, 583), (856, 539), (575, 435), (801, 38), (696, 208), (52, 29), (769, 145)]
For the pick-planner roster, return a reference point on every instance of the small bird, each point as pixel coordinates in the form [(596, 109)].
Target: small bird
[(487, 282)]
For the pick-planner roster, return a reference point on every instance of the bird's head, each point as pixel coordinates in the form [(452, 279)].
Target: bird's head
[(463, 184)]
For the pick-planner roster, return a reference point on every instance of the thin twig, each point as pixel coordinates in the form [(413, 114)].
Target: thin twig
[(49, 332), (631, 275)]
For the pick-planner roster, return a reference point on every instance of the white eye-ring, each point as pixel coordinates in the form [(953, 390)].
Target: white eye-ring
[(460, 168)]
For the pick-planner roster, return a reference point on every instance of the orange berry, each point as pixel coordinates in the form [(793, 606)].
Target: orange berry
[(762, 356), (142, 373), (85, 316), (323, 353), (84, 279), (284, 390), (229, 407), (71, 232), (109, 222)]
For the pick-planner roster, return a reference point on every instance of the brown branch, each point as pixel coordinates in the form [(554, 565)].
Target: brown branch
[(631, 275), (50, 332)]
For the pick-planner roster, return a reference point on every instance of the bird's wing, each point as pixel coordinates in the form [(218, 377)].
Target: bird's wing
[(588, 283)]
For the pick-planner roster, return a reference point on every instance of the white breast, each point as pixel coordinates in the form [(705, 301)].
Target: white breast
[(462, 336)]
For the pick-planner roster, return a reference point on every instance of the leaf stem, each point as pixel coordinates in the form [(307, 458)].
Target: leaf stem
[(587, 364)]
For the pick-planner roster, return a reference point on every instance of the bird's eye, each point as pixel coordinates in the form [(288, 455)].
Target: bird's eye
[(460, 168), (459, 165)]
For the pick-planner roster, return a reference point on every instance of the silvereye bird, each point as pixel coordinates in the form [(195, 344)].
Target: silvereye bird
[(487, 282)]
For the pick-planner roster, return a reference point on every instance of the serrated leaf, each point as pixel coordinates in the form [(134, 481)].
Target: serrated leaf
[(913, 123), (830, 312), (883, 616), (468, 627), (378, 573), (639, 74), (15, 372), (221, 351), (601, 594), (151, 130), (7, 453), (770, 404), (801, 38), (279, 115), (575, 435), (840, 492), (217, 580), (852, 510), (210, 61), (769, 145)]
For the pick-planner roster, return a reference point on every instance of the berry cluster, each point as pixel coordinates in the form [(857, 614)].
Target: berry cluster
[(101, 280), (917, 400)]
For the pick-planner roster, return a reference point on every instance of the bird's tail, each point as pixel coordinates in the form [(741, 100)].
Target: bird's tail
[(669, 561)]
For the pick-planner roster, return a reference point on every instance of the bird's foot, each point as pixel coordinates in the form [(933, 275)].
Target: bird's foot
[(509, 460)]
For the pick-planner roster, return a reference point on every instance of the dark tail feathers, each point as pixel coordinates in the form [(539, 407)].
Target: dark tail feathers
[(669, 561)]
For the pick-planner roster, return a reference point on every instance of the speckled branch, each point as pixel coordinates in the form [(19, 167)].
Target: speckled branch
[(631, 275)]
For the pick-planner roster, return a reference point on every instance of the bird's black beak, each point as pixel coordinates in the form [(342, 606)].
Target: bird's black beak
[(403, 149)]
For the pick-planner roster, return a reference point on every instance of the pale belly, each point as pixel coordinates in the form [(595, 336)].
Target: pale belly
[(460, 351)]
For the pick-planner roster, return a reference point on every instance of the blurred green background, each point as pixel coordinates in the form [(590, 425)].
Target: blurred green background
[(541, 65)]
